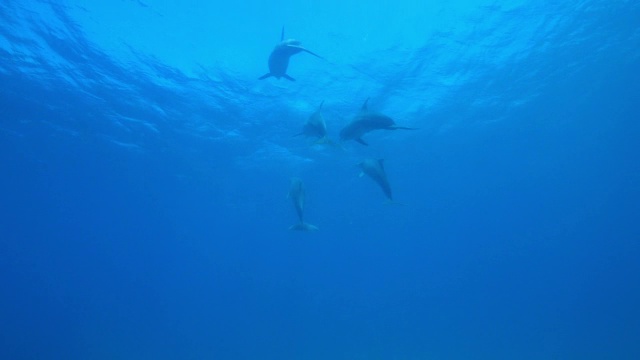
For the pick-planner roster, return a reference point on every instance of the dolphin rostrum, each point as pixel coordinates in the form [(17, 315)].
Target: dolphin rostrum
[(297, 195), (279, 58), (374, 168), (315, 127), (367, 121)]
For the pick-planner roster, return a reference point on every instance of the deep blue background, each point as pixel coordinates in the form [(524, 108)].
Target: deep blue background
[(143, 211)]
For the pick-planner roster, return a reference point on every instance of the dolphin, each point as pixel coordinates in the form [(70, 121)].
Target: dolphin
[(374, 168), (279, 58), (315, 127), (297, 195), (367, 121)]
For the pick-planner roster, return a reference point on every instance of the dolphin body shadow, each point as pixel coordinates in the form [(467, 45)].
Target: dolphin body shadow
[(279, 58), (297, 195), (367, 121)]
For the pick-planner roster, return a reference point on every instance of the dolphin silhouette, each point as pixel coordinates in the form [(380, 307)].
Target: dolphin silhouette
[(315, 127), (374, 168), (279, 58), (367, 121), (297, 195)]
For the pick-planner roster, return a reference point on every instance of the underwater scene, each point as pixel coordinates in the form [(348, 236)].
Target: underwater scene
[(314, 180)]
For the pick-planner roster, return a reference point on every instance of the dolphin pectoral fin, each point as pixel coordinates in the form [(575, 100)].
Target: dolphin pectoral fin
[(288, 77), (361, 141), (298, 134), (265, 76), (282, 34)]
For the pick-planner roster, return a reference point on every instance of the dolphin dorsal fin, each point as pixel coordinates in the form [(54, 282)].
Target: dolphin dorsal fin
[(282, 34), (365, 107)]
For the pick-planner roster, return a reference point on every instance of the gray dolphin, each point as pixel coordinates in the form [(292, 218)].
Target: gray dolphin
[(374, 168), (367, 121), (315, 127), (297, 195), (279, 58)]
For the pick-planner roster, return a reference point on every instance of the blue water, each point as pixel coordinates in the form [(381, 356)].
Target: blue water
[(144, 173)]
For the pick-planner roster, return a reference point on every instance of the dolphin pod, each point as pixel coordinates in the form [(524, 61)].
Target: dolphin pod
[(279, 58), (297, 196), (366, 121), (315, 127)]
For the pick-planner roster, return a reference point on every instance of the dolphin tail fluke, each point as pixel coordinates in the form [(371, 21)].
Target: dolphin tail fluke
[(265, 76), (288, 77), (303, 226), (323, 141), (326, 141)]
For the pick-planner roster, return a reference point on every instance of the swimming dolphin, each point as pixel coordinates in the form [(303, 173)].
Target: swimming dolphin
[(297, 195), (279, 58), (374, 168), (315, 127), (367, 121)]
